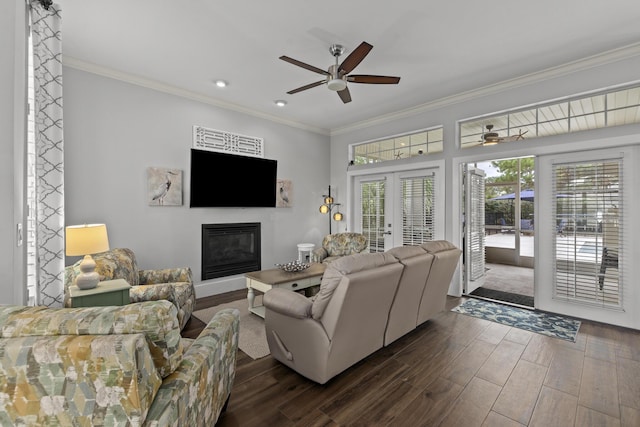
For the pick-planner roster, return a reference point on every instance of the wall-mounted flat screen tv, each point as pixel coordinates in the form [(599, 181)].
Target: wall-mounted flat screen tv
[(229, 180)]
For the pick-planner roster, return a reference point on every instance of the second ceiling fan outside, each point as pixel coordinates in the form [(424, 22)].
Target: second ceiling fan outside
[(492, 138), (337, 76)]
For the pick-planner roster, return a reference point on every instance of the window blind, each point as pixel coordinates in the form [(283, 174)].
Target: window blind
[(417, 198), (475, 225), (588, 249)]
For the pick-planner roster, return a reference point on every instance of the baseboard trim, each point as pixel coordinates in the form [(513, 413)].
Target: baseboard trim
[(220, 286)]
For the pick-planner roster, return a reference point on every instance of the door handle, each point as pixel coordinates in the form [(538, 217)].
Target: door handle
[(386, 232)]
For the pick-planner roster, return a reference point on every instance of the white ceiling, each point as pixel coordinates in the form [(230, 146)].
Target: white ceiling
[(438, 48)]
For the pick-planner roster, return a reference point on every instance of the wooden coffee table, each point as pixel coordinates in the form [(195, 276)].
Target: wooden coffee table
[(265, 280)]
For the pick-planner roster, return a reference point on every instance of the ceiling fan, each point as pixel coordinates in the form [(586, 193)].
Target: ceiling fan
[(337, 75), (492, 138)]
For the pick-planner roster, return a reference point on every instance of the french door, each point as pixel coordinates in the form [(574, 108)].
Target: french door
[(474, 228), (588, 261), (399, 208)]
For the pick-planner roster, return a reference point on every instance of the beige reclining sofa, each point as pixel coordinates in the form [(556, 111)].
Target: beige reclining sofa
[(366, 301)]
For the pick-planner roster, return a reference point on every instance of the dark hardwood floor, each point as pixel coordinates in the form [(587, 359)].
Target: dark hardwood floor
[(454, 370), (194, 326)]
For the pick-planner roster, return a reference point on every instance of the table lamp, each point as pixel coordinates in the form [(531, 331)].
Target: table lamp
[(85, 240)]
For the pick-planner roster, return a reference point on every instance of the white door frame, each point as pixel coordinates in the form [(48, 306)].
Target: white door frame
[(545, 300), (457, 230), (545, 149)]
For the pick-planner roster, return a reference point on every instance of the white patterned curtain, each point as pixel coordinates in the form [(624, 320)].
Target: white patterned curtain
[(49, 177)]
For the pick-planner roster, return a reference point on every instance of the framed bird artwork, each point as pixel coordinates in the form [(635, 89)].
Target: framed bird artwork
[(284, 193), (164, 187)]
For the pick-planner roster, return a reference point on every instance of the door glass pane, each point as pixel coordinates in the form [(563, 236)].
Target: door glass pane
[(500, 215), (418, 201), (372, 208), (588, 214)]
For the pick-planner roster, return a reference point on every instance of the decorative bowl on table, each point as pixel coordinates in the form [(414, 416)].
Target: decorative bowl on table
[(293, 266)]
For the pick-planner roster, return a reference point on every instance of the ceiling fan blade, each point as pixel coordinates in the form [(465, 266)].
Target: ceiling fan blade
[(345, 95), (355, 58), (305, 87), (363, 78), (305, 66)]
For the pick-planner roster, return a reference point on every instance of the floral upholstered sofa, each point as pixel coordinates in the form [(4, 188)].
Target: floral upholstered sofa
[(172, 284), (113, 366), (338, 245)]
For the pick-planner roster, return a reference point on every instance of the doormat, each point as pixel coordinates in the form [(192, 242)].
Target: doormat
[(504, 296), (551, 325)]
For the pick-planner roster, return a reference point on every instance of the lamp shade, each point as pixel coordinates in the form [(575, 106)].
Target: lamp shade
[(337, 216), (86, 239), (324, 209)]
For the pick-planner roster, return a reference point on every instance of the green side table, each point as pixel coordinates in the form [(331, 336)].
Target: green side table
[(109, 292)]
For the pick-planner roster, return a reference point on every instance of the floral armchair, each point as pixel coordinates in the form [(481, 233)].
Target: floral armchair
[(173, 284), (113, 366), (338, 245)]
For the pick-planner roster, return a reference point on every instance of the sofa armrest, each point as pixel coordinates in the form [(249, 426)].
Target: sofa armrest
[(157, 292), (286, 302), (167, 275), (196, 392), (76, 380), (319, 254), (181, 294), (157, 320)]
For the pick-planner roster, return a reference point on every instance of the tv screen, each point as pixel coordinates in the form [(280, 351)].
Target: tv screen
[(229, 180)]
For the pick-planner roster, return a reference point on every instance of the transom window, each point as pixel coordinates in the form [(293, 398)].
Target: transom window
[(399, 147), (611, 108)]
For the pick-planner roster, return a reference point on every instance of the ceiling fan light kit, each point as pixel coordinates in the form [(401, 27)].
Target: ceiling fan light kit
[(336, 77), (336, 84)]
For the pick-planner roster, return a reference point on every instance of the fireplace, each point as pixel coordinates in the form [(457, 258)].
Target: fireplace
[(229, 249)]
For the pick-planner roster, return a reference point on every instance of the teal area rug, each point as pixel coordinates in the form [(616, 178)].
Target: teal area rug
[(551, 325)]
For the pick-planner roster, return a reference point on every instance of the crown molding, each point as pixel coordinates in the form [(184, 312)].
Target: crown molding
[(88, 67), (604, 58)]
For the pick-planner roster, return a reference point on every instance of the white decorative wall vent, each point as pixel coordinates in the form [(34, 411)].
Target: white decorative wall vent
[(227, 142)]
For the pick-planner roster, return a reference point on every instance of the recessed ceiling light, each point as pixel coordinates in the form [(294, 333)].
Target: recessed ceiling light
[(280, 103), (221, 83)]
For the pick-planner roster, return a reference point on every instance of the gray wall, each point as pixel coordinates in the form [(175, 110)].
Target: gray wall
[(115, 130), (12, 137)]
